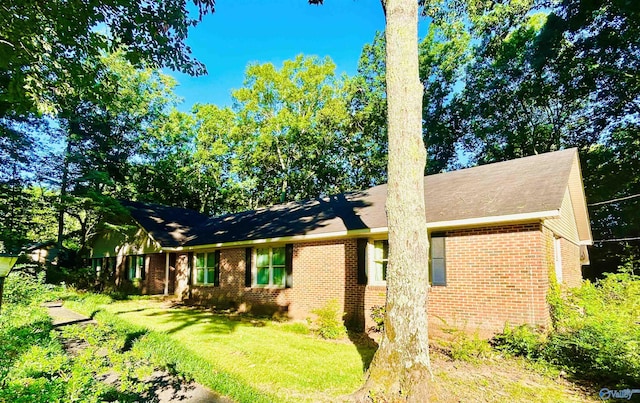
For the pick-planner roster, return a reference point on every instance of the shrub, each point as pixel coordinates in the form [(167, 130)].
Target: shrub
[(595, 331), (597, 334), (377, 315), (24, 289), (463, 346), (328, 321), (521, 341)]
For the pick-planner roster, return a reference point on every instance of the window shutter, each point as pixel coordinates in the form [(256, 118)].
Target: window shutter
[(216, 273), (143, 271), (438, 262), (247, 272), (362, 260), (288, 264)]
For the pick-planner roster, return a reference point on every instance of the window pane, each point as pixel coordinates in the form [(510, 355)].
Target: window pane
[(279, 275), (437, 247), (262, 257), (278, 258), (210, 275), (380, 271), (263, 276), (438, 274), (211, 260), (199, 259), (141, 262), (382, 250), (200, 276)]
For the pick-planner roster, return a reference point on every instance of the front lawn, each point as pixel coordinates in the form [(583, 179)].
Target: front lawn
[(253, 359), (272, 357)]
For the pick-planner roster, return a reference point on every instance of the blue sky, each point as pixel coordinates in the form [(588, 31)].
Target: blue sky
[(245, 31)]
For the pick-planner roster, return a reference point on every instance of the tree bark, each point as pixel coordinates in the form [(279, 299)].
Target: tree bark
[(400, 370)]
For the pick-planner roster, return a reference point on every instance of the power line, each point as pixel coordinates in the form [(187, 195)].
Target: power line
[(614, 200), (636, 238)]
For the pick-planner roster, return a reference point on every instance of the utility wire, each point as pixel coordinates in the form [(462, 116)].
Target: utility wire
[(636, 238), (614, 200)]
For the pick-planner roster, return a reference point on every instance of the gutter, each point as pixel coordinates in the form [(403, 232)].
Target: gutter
[(372, 232)]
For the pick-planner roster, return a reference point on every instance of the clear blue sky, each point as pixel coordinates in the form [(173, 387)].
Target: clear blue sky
[(245, 31)]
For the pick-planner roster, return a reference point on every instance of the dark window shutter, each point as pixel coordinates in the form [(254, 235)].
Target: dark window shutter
[(248, 252), (288, 264), (143, 269), (362, 260), (438, 261), (216, 272)]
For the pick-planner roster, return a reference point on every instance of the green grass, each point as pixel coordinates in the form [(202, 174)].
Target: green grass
[(274, 358), (253, 359)]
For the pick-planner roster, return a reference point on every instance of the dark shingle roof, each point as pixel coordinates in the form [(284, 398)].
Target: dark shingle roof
[(170, 226), (526, 185)]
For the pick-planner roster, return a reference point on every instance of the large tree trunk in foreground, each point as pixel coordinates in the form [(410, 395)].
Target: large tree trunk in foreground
[(400, 369)]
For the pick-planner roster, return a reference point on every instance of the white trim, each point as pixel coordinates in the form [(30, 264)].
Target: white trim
[(285, 239), (371, 232), (467, 222)]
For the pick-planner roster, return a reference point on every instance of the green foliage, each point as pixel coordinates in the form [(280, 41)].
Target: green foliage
[(377, 315), (598, 335), (24, 289), (328, 321), (520, 341), (463, 346), (595, 335)]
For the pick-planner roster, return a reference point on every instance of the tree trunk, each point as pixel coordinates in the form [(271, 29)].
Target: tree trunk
[(63, 195), (400, 370)]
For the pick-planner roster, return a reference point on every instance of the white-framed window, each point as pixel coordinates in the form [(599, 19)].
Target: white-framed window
[(377, 259), (378, 255), (135, 267), (270, 267), (204, 268)]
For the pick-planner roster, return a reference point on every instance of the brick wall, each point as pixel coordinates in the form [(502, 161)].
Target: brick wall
[(155, 273), (494, 275)]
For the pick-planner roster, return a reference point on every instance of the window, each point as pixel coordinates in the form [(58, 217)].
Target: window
[(271, 267), (438, 273), (380, 261), (205, 268), (135, 267)]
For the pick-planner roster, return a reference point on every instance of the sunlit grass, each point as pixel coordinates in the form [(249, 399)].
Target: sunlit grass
[(272, 357)]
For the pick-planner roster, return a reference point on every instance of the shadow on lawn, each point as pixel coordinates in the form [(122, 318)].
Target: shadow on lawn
[(366, 347), (210, 322)]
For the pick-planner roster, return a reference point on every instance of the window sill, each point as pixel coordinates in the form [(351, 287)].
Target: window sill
[(204, 285), (268, 287)]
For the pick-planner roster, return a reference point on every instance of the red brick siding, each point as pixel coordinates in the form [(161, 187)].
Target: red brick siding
[(494, 275), (155, 273), (571, 266), (232, 291)]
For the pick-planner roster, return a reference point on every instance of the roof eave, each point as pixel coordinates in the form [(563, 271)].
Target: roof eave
[(494, 220), (371, 232)]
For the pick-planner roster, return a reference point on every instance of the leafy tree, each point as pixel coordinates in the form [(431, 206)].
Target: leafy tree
[(102, 135), (368, 123), (612, 172), (289, 131)]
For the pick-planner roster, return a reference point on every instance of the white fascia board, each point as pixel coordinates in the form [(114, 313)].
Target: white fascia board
[(471, 222), (503, 219), (286, 239)]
